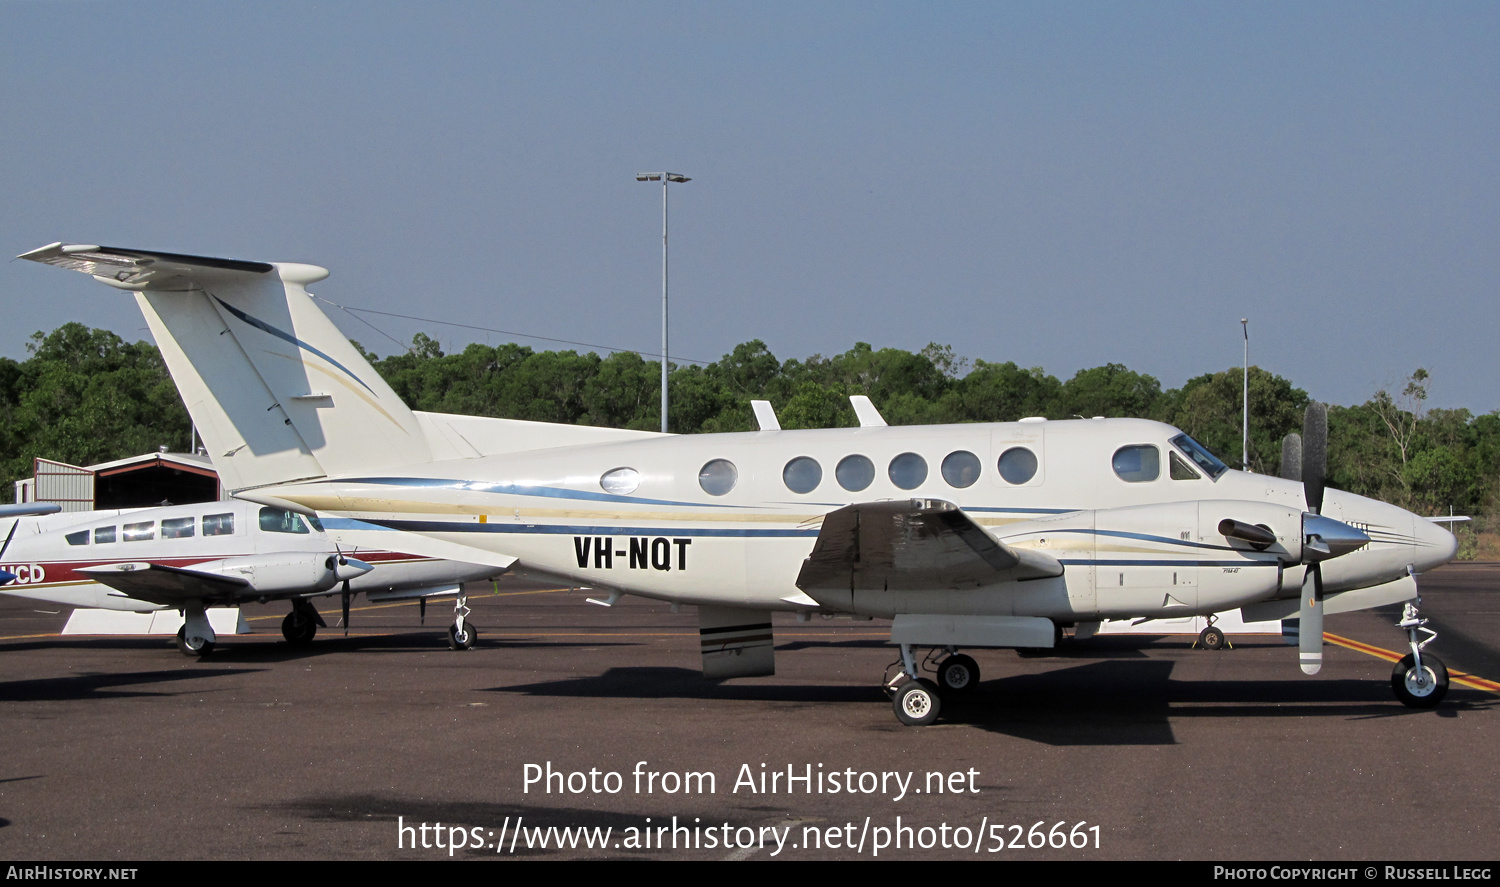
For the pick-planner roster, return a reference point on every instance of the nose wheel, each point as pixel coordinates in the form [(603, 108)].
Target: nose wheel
[(1419, 680), (461, 634)]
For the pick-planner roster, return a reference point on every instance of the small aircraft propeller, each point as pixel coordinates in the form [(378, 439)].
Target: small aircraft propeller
[(1314, 458), (346, 607)]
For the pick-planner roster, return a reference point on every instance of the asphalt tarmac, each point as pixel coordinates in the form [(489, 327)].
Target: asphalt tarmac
[(386, 745)]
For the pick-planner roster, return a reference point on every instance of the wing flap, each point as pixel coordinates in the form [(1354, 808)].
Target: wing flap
[(914, 543)]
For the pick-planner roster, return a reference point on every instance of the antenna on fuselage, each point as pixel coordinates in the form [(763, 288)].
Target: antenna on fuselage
[(869, 417), (765, 415)]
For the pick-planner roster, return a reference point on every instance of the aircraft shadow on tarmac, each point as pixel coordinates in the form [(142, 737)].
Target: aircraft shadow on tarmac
[(104, 686), (1108, 703)]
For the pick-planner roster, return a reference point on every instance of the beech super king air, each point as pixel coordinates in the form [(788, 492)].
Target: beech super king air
[(977, 535), (191, 557)]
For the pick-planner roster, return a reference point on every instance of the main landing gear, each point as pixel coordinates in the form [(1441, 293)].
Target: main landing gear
[(917, 700), (1419, 680), (1212, 637), (301, 624)]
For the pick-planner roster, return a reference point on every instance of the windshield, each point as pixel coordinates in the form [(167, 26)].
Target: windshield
[(1200, 456)]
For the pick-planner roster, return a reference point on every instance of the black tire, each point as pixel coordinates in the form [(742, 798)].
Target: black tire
[(917, 703), (1420, 690), (464, 640), (959, 674), (1211, 638), (298, 630), (203, 649)]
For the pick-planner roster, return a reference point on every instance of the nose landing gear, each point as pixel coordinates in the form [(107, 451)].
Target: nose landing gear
[(1419, 680)]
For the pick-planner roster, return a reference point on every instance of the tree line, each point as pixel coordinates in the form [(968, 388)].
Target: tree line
[(85, 395)]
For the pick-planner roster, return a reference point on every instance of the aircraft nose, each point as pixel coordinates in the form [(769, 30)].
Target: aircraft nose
[(1433, 544)]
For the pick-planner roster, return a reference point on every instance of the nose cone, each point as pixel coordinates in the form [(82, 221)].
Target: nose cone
[(1433, 545), (350, 567)]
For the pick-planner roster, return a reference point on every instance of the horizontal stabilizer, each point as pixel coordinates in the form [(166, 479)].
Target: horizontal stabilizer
[(914, 543)]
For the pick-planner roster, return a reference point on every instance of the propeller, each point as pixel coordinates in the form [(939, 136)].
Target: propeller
[(1314, 459), (346, 607)]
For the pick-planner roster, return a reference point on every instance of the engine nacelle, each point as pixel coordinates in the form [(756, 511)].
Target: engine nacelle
[(287, 572)]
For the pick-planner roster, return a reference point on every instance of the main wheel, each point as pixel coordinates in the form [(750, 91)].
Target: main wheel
[(958, 674), (193, 647), (1420, 688), (1211, 638), (917, 703), (462, 640), (297, 629)]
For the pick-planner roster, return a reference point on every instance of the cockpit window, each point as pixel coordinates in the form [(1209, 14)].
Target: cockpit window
[(1200, 456), (1137, 463), (1181, 470), (276, 520)]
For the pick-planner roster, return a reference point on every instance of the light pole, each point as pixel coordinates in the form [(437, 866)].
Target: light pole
[(664, 178), (1245, 439)]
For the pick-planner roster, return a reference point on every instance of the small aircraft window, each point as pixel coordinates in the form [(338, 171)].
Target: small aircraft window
[(1212, 465), (103, 535), (620, 481), (218, 524), (279, 520), (855, 473), (908, 470), (177, 528), (79, 538), (718, 477), (1180, 469), (1137, 463), (802, 474), (961, 469), (139, 532), (1017, 465), (313, 519)]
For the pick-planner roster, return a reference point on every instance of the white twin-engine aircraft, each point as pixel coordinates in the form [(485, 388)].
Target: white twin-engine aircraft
[(964, 536), (191, 557)]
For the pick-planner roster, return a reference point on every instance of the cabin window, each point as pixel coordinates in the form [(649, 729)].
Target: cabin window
[(218, 524), (1137, 463), (79, 538), (961, 469), (1180, 469), (854, 473), (908, 470), (1017, 465), (718, 477), (139, 532), (103, 535), (177, 528), (620, 481), (802, 474), (279, 520)]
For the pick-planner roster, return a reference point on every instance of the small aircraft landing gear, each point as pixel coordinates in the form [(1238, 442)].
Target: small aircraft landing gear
[(958, 674), (301, 625), (461, 634), (1211, 637), (197, 646), (916, 700), (1419, 680)]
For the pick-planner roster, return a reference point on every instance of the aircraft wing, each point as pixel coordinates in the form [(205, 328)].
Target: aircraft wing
[(914, 544), (158, 584)]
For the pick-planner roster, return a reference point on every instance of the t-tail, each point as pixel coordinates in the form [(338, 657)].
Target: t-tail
[(244, 340)]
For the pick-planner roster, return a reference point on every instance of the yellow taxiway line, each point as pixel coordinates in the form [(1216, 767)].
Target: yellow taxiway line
[(1458, 677)]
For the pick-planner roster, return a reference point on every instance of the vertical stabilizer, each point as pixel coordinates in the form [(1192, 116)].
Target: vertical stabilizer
[(243, 340)]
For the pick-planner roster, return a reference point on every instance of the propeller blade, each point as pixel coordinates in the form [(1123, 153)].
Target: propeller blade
[(1291, 456), (422, 608), (1314, 455), (346, 608), (1310, 621)]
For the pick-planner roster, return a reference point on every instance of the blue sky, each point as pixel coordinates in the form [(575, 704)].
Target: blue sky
[(1058, 184)]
